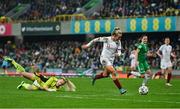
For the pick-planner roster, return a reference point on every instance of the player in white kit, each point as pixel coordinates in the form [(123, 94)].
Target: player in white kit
[(133, 65), (165, 53), (111, 48)]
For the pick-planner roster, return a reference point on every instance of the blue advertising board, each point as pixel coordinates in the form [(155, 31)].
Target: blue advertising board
[(92, 26), (151, 24)]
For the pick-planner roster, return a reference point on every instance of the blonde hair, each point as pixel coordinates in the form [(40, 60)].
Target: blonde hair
[(116, 31), (69, 86)]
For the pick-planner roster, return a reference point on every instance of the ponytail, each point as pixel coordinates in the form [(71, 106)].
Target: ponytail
[(116, 31), (69, 86)]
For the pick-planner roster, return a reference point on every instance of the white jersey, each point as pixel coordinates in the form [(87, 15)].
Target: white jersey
[(166, 52), (110, 48), (166, 55), (132, 58)]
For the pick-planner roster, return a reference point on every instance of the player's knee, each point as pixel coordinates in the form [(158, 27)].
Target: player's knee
[(114, 77), (169, 70), (105, 74), (149, 72), (112, 71), (4, 67), (32, 87), (147, 76)]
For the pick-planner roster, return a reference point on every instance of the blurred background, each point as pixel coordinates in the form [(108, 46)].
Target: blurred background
[(49, 33)]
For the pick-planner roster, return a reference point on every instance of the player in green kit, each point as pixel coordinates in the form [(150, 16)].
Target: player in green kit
[(141, 54)]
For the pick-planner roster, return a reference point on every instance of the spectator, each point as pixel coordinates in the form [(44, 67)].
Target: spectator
[(67, 54), (47, 9)]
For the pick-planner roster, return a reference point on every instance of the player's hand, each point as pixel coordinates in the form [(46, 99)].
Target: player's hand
[(161, 56), (174, 56), (84, 46)]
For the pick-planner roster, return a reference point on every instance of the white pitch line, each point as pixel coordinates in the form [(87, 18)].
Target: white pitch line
[(118, 99), (131, 94), (128, 94), (167, 93), (145, 101)]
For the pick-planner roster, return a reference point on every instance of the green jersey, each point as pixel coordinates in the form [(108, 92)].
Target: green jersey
[(143, 65), (143, 49)]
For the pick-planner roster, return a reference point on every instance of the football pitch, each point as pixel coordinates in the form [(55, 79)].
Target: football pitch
[(103, 94)]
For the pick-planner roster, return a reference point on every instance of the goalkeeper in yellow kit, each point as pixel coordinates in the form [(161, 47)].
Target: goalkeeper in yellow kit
[(40, 82)]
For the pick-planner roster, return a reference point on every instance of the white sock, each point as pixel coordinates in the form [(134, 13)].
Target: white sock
[(87, 71), (146, 78), (135, 73)]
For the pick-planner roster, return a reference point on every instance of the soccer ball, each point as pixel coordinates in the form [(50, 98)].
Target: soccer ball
[(143, 90)]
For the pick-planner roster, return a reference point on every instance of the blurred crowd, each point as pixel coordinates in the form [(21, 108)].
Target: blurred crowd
[(137, 8), (42, 9), (68, 54), (47, 9)]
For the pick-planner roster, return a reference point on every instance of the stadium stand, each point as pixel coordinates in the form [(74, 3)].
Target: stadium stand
[(50, 56), (47, 9), (56, 54), (135, 8)]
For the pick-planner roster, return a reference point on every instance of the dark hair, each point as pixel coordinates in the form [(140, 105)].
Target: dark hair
[(166, 38), (139, 40)]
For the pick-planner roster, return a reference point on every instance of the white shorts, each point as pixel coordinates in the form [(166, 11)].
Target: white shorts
[(165, 65), (106, 61), (133, 65), (36, 84)]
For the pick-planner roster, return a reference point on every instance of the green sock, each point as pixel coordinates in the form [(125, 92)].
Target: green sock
[(27, 86), (18, 67)]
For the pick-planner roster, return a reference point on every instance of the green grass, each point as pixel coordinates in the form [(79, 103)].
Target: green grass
[(103, 95)]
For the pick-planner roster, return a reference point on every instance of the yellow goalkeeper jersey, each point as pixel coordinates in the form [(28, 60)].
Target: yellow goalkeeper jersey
[(50, 83)]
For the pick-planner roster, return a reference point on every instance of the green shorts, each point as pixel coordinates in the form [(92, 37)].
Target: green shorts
[(143, 67)]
